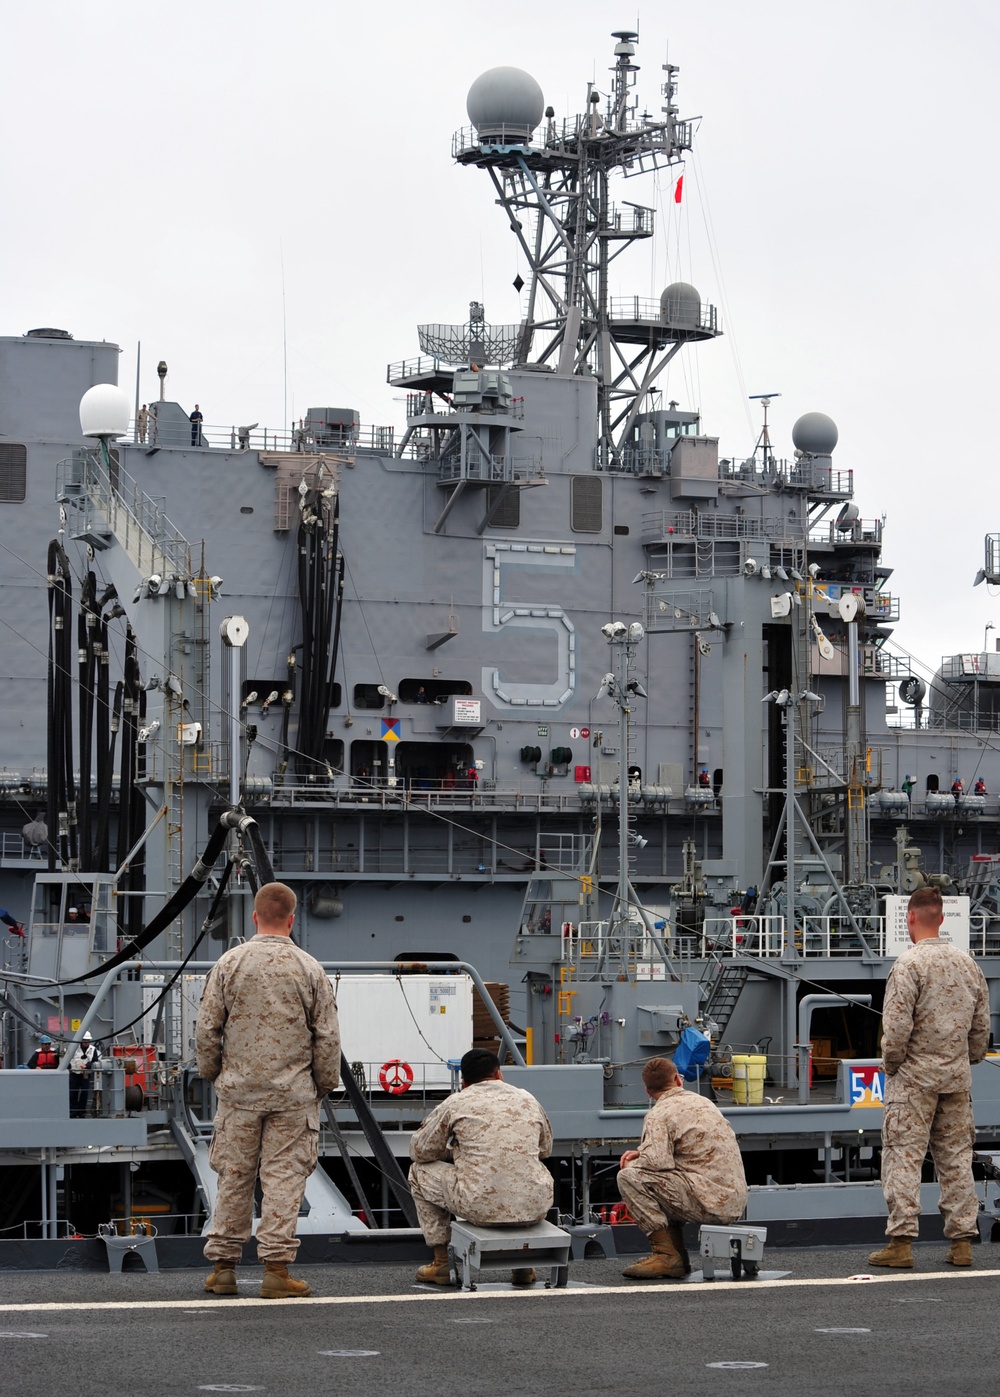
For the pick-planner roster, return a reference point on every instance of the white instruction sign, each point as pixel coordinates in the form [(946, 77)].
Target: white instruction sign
[(954, 929)]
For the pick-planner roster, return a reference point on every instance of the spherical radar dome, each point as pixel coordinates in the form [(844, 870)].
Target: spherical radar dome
[(680, 305), (104, 411), (815, 433), (505, 102)]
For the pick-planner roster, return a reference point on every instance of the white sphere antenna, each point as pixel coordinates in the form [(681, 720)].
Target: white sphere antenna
[(505, 104), (104, 411), (815, 434)]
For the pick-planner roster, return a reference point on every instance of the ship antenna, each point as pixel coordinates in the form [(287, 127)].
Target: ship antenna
[(284, 332), (763, 444), (553, 181), (624, 640)]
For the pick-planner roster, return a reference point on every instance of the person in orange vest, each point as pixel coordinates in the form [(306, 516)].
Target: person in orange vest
[(45, 1055)]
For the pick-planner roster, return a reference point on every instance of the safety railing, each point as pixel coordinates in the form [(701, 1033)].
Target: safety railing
[(557, 136), (559, 794), (662, 524), (17, 849), (297, 438), (422, 366), (743, 935), (850, 532), (679, 314), (104, 497), (632, 945)]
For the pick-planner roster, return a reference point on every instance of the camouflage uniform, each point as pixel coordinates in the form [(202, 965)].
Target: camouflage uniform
[(935, 1022), (689, 1167), (269, 1039), (478, 1156)]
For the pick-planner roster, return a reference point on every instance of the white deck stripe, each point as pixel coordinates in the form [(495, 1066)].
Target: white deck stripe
[(747, 1287)]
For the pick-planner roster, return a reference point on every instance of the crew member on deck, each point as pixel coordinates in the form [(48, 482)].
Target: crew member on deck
[(688, 1168), (478, 1156)]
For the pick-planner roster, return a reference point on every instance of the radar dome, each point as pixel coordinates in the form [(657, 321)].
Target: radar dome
[(104, 411), (815, 433), (505, 103), (680, 306)]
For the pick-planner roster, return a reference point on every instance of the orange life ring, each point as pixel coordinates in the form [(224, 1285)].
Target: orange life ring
[(395, 1077)]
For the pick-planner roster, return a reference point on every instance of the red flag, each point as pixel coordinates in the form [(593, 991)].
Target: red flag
[(679, 189)]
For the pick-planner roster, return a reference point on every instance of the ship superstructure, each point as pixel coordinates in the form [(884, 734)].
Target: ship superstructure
[(542, 686)]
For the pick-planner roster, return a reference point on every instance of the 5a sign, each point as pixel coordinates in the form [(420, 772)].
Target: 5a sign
[(867, 1086)]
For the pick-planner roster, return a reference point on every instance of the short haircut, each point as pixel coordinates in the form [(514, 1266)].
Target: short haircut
[(477, 1065), (659, 1074), (926, 903), (274, 903)]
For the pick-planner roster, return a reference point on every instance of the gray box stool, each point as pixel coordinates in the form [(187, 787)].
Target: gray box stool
[(473, 1250), (741, 1245)]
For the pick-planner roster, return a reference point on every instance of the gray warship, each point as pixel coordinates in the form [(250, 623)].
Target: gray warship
[(571, 733)]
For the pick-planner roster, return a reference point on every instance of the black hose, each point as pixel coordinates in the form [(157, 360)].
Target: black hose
[(321, 581), (107, 731), (61, 805)]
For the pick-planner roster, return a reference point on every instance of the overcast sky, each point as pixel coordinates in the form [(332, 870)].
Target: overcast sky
[(220, 180)]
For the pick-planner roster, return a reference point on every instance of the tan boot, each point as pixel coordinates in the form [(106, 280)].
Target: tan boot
[(676, 1235), (897, 1252), (279, 1285), (664, 1261), (222, 1280), (960, 1252), (436, 1272), (524, 1275)]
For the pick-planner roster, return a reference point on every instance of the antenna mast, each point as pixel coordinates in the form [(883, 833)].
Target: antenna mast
[(552, 180)]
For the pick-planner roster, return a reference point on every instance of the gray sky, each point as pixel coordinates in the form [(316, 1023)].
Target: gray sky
[(195, 176)]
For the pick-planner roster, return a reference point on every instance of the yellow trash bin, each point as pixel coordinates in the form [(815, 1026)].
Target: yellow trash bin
[(749, 1071)]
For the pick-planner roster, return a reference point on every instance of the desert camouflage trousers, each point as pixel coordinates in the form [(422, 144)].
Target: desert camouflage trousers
[(657, 1197), (283, 1147), (915, 1119), (438, 1196)]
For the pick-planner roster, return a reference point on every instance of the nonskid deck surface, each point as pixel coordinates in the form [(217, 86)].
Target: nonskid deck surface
[(833, 1325)]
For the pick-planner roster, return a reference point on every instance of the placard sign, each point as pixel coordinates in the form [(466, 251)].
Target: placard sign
[(955, 927)]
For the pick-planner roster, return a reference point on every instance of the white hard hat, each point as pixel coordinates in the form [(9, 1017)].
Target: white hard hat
[(88, 1036)]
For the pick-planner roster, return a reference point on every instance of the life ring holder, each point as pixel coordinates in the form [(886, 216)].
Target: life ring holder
[(395, 1077)]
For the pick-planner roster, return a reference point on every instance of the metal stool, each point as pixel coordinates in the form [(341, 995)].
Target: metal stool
[(478, 1249), (142, 1243), (741, 1245)]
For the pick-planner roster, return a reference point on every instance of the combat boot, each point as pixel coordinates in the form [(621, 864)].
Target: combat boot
[(279, 1285), (676, 1235), (436, 1272), (664, 1261), (960, 1252), (523, 1275), (898, 1252), (222, 1280)]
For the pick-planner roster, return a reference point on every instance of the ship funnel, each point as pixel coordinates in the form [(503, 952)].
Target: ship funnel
[(104, 411)]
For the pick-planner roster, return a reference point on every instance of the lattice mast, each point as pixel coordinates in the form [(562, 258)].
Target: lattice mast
[(554, 183)]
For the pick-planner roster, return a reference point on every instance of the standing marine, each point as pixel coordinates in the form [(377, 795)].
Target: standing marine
[(935, 1024), (269, 1038)]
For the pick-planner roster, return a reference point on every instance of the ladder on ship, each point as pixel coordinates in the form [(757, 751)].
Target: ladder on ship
[(724, 995)]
